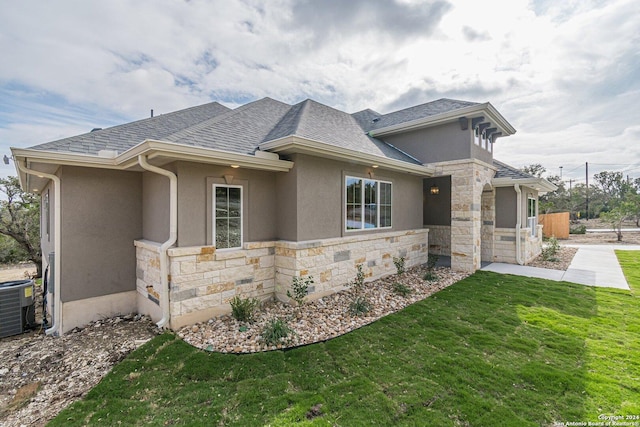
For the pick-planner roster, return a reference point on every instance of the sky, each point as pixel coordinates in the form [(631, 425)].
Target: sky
[(565, 74)]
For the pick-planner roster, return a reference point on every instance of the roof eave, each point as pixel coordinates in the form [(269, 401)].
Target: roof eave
[(486, 108), (296, 144), (539, 184), (152, 149)]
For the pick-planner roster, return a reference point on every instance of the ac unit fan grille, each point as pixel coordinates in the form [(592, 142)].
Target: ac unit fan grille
[(10, 312)]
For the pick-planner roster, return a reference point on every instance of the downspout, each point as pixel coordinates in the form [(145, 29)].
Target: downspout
[(518, 224), (173, 236), (56, 328)]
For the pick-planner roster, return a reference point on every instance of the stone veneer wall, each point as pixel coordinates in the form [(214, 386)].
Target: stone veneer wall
[(439, 239), (148, 270), (332, 262), (203, 280), (468, 179), (505, 244), (488, 216)]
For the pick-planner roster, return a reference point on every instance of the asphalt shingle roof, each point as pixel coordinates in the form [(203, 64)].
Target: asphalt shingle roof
[(409, 114), (243, 129), (312, 120), (506, 171), (239, 131), (126, 136)]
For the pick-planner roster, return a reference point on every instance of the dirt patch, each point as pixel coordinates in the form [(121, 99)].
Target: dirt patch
[(41, 375), (561, 260)]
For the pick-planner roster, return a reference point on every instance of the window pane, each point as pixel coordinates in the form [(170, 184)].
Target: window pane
[(235, 233), (354, 204), (228, 217), (385, 204), (234, 202), (385, 216), (370, 204), (221, 201), (222, 233)]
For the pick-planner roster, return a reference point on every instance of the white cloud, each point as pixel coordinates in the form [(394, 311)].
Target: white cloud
[(564, 74)]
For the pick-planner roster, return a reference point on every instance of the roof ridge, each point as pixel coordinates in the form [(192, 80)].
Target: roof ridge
[(187, 131)]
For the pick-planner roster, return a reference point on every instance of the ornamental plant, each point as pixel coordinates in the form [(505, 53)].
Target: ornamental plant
[(243, 310), (300, 289), (359, 304)]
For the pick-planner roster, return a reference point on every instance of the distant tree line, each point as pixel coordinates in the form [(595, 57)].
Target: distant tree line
[(611, 197), (19, 225)]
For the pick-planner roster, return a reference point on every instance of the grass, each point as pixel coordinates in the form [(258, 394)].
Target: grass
[(491, 350)]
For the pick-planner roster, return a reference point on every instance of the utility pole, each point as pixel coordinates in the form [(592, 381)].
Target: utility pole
[(570, 200), (560, 172), (586, 173)]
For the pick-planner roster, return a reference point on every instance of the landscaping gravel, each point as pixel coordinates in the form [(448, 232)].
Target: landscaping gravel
[(318, 320)]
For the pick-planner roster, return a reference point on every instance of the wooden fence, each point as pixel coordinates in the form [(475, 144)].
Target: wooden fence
[(555, 225)]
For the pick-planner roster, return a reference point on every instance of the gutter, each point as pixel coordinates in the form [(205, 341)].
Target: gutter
[(56, 328), (518, 224), (173, 236), (309, 146)]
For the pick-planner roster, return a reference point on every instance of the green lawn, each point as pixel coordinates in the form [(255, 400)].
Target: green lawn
[(491, 350)]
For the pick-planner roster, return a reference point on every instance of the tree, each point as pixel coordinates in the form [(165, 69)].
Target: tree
[(616, 216), (20, 219), (535, 169)]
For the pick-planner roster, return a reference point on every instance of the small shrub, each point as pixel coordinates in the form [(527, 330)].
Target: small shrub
[(300, 288), (401, 289), (358, 283), (359, 306), (432, 260), (550, 251), (277, 331), (399, 263), (243, 310), (430, 276), (578, 229)]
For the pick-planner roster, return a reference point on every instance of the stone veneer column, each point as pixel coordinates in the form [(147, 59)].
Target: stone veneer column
[(468, 178)]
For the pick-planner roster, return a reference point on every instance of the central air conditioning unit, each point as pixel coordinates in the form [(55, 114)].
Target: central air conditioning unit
[(17, 307)]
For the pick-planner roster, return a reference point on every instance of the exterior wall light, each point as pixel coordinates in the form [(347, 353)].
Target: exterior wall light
[(374, 166), (434, 189), (235, 166)]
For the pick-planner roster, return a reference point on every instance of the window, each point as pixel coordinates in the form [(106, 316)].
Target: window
[(532, 220), (227, 217), (368, 204)]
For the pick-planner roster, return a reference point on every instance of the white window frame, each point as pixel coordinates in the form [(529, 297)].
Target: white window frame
[(532, 221), (362, 213), (213, 215)]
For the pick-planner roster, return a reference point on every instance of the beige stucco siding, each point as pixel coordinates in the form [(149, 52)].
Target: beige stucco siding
[(102, 216), (506, 205), (315, 195), (155, 207), (195, 183)]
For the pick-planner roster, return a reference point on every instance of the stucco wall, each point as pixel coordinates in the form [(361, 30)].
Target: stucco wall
[(318, 202), (155, 207), (437, 207), (436, 144), (506, 206), (194, 202), (506, 200), (102, 216)]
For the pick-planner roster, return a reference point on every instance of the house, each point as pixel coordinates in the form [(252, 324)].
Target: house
[(174, 215)]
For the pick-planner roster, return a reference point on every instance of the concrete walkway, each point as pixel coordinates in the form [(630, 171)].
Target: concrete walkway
[(593, 265)]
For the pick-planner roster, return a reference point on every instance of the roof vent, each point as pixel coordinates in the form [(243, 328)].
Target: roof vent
[(95, 129), (377, 119)]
